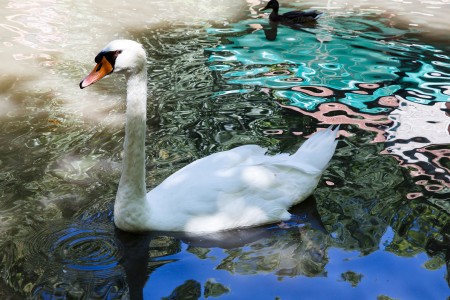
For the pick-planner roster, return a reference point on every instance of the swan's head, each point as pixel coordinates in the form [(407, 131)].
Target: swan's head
[(119, 56)]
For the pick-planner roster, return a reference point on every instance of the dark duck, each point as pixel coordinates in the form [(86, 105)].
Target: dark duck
[(291, 17)]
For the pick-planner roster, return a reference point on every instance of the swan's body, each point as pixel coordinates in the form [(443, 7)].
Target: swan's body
[(292, 17), (232, 189)]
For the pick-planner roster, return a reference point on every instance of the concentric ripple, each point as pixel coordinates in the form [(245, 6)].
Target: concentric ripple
[(80, 249), (85, 250), (77, 253)]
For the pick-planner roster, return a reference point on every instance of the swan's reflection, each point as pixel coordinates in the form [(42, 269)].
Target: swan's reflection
[(93, 260), (134, 261), (289, 249)]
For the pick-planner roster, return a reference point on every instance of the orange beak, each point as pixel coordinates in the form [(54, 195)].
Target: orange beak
[(102, 69)]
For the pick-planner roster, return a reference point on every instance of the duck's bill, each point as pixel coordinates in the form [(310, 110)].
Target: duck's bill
[(265, 8), (102, 69)]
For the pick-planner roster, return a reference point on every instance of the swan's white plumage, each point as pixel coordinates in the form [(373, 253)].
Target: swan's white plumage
[(237, 188)]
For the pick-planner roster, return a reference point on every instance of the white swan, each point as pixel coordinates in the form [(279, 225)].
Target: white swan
[(232, 189)]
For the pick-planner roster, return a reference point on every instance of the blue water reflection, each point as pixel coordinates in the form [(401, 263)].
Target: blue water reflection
[(381, 273)]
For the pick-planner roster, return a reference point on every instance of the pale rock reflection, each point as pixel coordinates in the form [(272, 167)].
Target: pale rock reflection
[(415, 128)]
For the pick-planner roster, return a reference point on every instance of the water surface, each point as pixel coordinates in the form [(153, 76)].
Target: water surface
[(377, 226)]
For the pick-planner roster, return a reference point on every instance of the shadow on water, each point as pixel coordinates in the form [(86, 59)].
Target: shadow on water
[(213, 89)]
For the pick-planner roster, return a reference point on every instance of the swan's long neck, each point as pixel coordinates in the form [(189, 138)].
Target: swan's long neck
[(131, 193)]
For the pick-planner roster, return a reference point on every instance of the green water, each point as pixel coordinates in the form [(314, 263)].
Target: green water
[(376, 226)]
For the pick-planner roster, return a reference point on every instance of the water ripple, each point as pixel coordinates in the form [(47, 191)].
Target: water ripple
[(77, 252), (359, 70), (335, 57)]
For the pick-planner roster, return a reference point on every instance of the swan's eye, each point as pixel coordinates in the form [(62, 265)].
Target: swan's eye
[(99, 57), (109, 55)]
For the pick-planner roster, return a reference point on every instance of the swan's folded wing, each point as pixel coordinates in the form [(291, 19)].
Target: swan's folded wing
[(244, 195)]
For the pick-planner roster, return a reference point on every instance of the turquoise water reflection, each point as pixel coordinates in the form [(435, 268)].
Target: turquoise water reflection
[(356, 70), (355, 61)]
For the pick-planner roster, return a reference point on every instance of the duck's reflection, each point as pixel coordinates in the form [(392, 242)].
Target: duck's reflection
[(272, 31)]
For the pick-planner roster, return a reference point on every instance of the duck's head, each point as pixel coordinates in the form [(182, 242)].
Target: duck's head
[(273, 4), (119, 56)]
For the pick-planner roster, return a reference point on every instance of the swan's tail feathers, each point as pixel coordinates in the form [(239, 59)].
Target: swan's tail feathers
[(318, 149)]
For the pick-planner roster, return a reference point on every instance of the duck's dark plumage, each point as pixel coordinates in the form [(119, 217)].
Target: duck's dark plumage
[(293, 17)]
